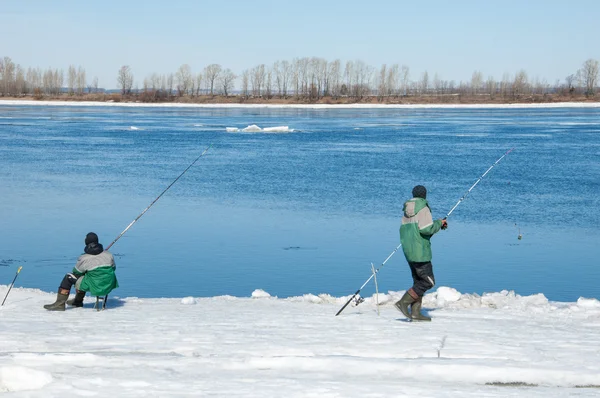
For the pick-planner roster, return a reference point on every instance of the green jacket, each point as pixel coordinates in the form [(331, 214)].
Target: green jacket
[(98, 271), (417, 229)]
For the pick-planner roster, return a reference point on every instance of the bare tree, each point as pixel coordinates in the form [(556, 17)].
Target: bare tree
[(476, 82), (34, 80), (199, 77), (80, 80), (490, 86), (211, 72), (20, 86), (277, 76), (348, 77), (505, 85), (95, 84), (125, 79), (424, 83), (268, 82), (302, 65), (520, 83), (169, 84), (7, 72), (257, 79), (71, 79), (47, 81), (570, 80), (226, 81), (437, 84), (392, 79), (382, 90), (404, 75), (334, 77), (589, 76), (245, 83), (184, 79)]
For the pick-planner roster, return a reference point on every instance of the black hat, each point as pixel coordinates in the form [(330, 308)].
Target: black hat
[(91, 238), (419, 192)]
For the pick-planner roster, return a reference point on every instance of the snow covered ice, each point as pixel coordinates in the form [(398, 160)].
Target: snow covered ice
[(497, 344)]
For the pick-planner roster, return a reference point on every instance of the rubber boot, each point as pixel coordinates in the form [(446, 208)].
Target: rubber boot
[(403, 304), (59, 304), (78, 300), (416, 311)]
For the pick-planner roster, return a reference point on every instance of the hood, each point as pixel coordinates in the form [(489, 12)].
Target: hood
[(93, 249), (413, 206)]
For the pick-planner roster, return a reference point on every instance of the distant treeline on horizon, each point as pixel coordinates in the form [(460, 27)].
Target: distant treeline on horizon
[(302, 78)]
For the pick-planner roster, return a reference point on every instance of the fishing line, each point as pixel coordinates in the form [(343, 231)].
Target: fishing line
[(360, 299), (158, 197)]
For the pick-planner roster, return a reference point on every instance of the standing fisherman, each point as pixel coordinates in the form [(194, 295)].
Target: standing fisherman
[(416, 230), (94, 272)]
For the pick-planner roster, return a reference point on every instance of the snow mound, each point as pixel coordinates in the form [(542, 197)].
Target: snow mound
[(252, 129), (588, 303), (188, 301), (259, 293), (18, 378), (446, 295)]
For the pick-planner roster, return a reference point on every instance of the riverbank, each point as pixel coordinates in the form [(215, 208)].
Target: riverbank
[(16, 102)]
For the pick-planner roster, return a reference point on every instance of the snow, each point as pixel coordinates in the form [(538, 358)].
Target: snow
[(302, 106), (494, 345), (255, 129)]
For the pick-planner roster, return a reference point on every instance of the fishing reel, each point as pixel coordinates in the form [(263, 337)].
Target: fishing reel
[(357, 300)]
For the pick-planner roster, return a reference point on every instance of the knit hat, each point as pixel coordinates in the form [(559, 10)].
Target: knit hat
[(419, 192), (91, 238)]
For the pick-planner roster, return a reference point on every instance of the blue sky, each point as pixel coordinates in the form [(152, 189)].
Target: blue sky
[(548, 39)]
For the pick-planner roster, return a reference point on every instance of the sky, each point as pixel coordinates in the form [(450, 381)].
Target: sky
[(549, 39), (495, 345)]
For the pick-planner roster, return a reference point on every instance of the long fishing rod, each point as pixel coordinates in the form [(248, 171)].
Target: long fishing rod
[(11, 285), (158, 197), (398, 247)]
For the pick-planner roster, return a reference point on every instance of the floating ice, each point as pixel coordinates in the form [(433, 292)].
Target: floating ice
[(252, 129), (277, 129)]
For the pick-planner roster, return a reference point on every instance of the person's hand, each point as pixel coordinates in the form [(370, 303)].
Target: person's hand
[(444, 224)]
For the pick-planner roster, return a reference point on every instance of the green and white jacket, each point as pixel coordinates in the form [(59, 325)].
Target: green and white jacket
[(417, 229), (98, 271)]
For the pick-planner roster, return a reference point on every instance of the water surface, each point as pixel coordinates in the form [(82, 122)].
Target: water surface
[(306, 211)]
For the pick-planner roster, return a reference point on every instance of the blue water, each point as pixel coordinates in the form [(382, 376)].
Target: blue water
[(306, 211)]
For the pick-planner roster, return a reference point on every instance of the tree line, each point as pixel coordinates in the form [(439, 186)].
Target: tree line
[(308, 79)]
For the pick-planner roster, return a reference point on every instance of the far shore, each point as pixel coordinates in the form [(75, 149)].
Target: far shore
[(61, 102)]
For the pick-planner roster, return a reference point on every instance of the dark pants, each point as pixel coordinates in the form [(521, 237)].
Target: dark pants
[(422, 274), (68, 281)]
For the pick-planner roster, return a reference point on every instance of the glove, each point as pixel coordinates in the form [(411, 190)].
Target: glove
[(444, 224)]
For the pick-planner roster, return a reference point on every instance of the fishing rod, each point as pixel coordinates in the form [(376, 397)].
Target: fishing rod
[(158, 197), (360, 300), (11, 285)]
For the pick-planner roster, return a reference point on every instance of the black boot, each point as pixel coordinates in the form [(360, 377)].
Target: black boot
[(59, 304), (78, 300), (404, 303), (416, 311)]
